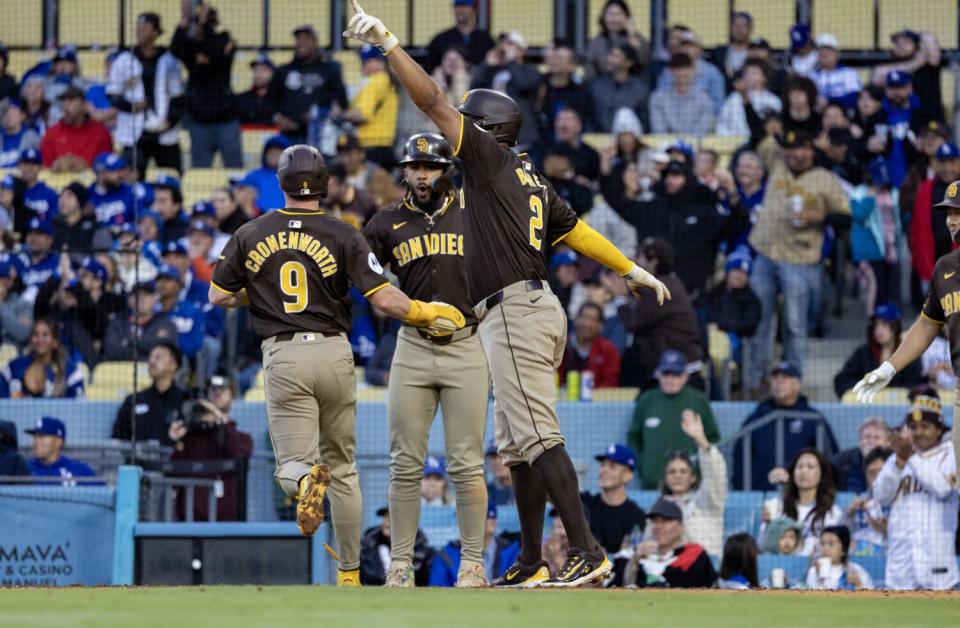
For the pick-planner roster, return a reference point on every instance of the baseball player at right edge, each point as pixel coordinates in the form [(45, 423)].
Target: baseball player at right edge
[(942, 307), (512, 216)]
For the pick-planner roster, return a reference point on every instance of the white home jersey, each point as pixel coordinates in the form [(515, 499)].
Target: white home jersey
[(923, 519)]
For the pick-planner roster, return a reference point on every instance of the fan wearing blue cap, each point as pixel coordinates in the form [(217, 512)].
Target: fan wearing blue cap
[(434, 490), (499, 552), (612, 515), (733, 305), (264, 178), (185, 315), (111, 197), (656, 429), (803, 54), (39, 198), (921, 54), (903, 116), (37, 263), (257, 105), (15, 134), (49, 436)]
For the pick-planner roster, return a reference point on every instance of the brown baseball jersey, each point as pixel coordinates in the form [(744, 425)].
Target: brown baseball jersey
[(513, 215), (297, 267), (943, 302), (424, 251)]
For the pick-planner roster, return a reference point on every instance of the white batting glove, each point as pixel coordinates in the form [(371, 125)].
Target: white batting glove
[(638, 279), (873, 382), (370, 30)]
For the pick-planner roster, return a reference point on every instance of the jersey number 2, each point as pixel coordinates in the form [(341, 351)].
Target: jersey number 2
[(536, 222), (293, 283)]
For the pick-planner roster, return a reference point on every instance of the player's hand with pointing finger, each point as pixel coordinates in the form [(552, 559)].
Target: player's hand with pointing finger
[(369, 29), (637, 279), (873, 382)]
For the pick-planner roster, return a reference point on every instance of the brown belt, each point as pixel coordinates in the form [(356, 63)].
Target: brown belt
[(288, 335), (460, 334)]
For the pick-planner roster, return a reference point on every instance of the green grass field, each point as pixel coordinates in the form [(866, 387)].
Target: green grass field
[(291, 607)]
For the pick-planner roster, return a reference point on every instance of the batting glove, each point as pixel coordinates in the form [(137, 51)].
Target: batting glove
[(638, 278), (370, 30), (447, 320), (873, 382)]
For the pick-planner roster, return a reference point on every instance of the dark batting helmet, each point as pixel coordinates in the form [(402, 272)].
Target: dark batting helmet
[(302, 172), (494, 112), (427, 147)]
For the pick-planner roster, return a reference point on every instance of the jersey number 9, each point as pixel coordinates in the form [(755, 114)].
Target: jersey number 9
[(293, 283), (536, 222)]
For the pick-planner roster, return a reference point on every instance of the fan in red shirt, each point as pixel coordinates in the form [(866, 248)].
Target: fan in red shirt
[(587, 350), (71, 144)]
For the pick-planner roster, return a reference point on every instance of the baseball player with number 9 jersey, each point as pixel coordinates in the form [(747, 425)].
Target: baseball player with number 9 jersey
[(294, 268)]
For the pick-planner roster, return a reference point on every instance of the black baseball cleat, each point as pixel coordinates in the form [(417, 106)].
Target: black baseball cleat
[(521, 576), (579, 569)]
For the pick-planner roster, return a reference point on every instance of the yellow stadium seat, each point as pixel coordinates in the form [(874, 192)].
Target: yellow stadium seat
[(168, 10), (724, 145), (286, 15), (92, 64), (772, 19), (532, 18), (597, 141), (255, 394), (60, 180), (114, 380), (709, 19), (376, 395), (244, 20), (252, 143), (198, 183), (23, 60), (22, 24), (885, 396), (8, 351), (639, 10), (350, 62), (429, 18), (947, 87), (851, 21), (89, 22), (153, 172), (615, 394), (934, 16)]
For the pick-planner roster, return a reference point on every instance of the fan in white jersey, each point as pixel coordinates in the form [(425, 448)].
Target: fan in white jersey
[(917, 484)]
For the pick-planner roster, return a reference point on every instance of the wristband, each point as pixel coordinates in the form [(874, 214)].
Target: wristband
[(388, 44)]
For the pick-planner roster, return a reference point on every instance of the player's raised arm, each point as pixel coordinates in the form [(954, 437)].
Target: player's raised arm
[(424, 91)]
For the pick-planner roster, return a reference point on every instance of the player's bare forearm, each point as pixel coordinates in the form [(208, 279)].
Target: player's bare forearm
[(391, 301), (426, 94), (226, 299), (914, 343)]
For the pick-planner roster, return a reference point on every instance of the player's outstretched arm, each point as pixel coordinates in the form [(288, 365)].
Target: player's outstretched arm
[(424, 91), (914, 343), (219, 296), (584, 239), (436, 317)]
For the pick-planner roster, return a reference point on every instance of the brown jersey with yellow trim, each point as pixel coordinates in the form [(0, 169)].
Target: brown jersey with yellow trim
[(425, 251), (513, 215), (943, 302), (297, 267)]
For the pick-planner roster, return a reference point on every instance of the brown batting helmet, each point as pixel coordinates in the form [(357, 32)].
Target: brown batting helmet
[(302, 172), (951, 197)]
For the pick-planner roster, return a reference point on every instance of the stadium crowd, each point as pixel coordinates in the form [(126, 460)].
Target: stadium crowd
[(834, 175)]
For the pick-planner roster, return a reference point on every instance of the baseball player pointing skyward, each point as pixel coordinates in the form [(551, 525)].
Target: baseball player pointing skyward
[(512, 216), (422, 240), (294, 267), (942, 307)]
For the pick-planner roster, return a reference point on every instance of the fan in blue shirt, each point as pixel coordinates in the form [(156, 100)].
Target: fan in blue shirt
[(49, 436), (39, 197), (264, 178), (112, 199), (38, 263), (186, 316), (16, 135)]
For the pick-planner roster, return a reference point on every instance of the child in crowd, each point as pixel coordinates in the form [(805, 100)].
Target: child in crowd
[(866, 518), (782, 536), (833, 568)]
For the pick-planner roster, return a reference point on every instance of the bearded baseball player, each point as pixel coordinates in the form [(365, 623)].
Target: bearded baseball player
[(917, 485), (942, 307), (294, 268), (422, 240), (511, 217)]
